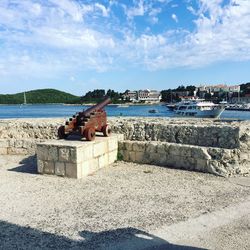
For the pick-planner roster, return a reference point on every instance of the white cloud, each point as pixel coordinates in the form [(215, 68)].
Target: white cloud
[(174, 17), (102, 8), (71, 8), (138, 10), (67, 36)]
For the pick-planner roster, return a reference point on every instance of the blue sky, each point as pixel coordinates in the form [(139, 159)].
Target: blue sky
[(80, 45)]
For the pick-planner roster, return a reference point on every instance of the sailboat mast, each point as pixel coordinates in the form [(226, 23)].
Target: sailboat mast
[(24, 98)]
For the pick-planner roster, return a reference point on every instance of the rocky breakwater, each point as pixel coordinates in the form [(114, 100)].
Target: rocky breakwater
[(213, 146)]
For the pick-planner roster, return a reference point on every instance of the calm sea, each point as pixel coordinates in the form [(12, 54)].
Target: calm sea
[(59, 110)]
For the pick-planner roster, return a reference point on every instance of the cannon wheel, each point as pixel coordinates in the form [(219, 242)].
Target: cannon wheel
[(106, 130), (89, 134), (61, 132)]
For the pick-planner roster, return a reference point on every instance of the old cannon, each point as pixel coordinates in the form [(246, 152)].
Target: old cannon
[(87, 123)]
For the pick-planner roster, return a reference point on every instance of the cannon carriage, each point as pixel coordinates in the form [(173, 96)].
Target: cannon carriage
[(87, 123)]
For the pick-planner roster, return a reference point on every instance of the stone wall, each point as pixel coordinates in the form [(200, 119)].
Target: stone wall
[(226, 142), (206, 133), (18, 146), (219, 161), (201, 132)]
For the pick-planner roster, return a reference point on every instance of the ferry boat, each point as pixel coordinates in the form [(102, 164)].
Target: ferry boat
[(199, 108)]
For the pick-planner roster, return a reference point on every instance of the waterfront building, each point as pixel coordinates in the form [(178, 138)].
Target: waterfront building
[(219, 91), (130, 95), (241, 99), (143, 95), (149, 95)]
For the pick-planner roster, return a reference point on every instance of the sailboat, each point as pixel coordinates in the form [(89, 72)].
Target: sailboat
[(24, 100)]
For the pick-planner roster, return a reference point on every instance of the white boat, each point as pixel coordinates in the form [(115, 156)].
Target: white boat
[(197, 108), (24, 100), (123, 106)]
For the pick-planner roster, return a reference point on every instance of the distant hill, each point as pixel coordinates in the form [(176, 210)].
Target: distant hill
[(40, 96)]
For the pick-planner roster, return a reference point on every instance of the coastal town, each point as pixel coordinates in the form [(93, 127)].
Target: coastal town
[(228, 93), (124, 125)]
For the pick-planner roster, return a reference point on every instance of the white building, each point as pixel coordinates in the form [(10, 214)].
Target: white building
[(130, 95), (220, 88), (143, 95), (149, 95)]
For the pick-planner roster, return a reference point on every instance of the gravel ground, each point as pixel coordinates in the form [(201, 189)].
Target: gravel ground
[(111, 205)]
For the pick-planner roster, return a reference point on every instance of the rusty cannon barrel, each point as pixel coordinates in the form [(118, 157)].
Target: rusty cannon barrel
[(87, 123), (98, 106)]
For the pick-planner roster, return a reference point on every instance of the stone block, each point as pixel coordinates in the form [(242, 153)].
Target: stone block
[(86, 167), (84, 153), (48, 167), (17, 151), (152, 158), (162, 159), (174, 149), (42, 152), (64, 154), (18, 143), (120, 137), (75, 159), (28, 144), (200, 153), (113, 156), (128, 145), (125, 155), (185, 151), (100, 148), (103, 161), (60, 168), (170, 162), (75, 155), (112, 144), (53, 153), (132, 156), (161, 148), (3, 151), (4, 143), (138, 146), (40, 166), (201, 165), (89, 167), (140, 157), (121, 145), (12, 142), (73, 170), (151, 147)]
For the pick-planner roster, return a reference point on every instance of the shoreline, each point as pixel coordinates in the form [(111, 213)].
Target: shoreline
[(86, 104)]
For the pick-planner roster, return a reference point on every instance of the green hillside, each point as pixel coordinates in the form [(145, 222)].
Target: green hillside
[(40, 96)]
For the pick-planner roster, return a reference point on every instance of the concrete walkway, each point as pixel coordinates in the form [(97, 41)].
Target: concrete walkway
[(125, 206)]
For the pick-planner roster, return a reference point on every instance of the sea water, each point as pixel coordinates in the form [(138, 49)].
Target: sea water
[(60, 110)]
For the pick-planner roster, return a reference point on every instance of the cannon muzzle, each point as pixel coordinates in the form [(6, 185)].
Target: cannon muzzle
[(97, 107)]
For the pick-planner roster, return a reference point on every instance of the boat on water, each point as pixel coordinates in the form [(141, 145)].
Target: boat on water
[(238, 107), (123, 106), (152, 111), (198, 108), (24, 100)]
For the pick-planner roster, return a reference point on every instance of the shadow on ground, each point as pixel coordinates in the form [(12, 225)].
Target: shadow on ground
[(27, 165), (16, 237)]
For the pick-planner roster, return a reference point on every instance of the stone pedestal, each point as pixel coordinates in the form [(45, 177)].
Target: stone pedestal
[(76, 159)]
